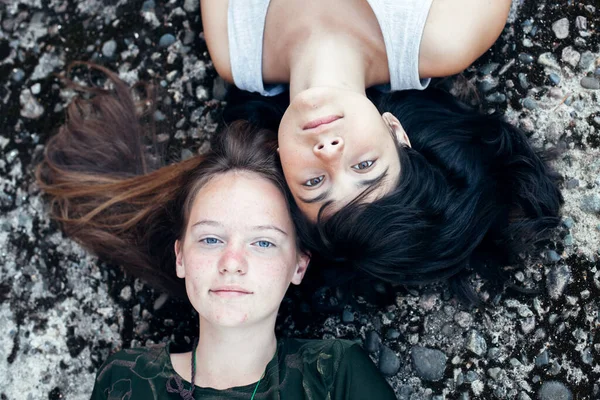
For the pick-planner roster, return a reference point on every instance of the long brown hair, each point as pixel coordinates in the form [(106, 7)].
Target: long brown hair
[(110, 192)]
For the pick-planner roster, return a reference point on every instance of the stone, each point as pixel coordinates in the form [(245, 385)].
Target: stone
[(554, 390), (542, 359), (191, 6), (552, 256), (557, 280), (429, 364), (148, 6), (561, 28), (488, 83), (463, 319), (529, 103), (554, 78), (568, 222), (372, 342), (30, 107), (572, 183), (568, 240), (591, 204), (496, 373), (166, 40), (476, 343), (571, 56), (587, 58), (523, 82), (389, 363), (109, 48), (496, 97), (126, 293), (526, 58), (219, 89), (347, 316), (581, 23), (548, 60), (471, 376), (17, 74), (589, 82)]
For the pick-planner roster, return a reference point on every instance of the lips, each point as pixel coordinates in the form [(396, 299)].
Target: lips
[(321, 121), (230, 291)]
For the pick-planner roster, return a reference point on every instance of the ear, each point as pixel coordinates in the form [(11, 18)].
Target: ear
[(392, 122), (301, 267), (179, 267)]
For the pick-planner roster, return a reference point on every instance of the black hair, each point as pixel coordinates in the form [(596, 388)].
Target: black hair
[(472, 195)]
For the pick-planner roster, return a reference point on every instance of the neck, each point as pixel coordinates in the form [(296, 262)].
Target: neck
[(229, 357), (327, 60)]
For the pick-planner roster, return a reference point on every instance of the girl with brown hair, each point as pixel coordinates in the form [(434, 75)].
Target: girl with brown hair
[(221, 225)]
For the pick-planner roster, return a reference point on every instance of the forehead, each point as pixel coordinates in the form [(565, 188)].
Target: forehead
[(240, 198)]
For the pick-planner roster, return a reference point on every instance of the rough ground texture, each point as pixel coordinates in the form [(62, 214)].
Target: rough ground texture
[(62, 311)]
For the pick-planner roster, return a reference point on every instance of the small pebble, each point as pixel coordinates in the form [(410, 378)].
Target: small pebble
[(429, 364), (476, 343), (571, 56), (542, 359), (488, 83), (557, 280), (581, 23), (489, 68), (589, 82), (523, 82), (572, 183), (148, 6), (125, 294), (561, 28), (347, 317), (554, 78), (166, 40), (587, 58), (568, 240), (389, 363), (495, 373), (392, 334), (568, 222), (586, 356), (372, 342), (526, 58), (554, 390), (548, 60), (529, 103), (191, 6), (552, 256), (591, 203), (471, 376), (109, 48), (36, 89), (496, 97), (17, 74)]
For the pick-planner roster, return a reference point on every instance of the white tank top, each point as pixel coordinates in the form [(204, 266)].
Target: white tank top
[(401, 22)]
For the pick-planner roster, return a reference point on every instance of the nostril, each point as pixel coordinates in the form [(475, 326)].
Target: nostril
[(320, 147), (335, 142)]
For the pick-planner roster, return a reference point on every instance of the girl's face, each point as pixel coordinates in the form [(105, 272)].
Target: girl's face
[(334, 144), (239, 252)]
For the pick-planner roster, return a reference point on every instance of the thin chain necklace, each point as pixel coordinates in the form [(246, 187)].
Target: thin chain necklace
[(194, 372)]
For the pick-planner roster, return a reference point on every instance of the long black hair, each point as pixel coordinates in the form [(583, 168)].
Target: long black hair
[(471, 196)]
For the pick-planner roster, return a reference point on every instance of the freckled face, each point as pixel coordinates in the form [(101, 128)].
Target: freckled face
[(239, 252), (333, 144)]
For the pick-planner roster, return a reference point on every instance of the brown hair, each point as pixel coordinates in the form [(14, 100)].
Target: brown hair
[(108, 191)]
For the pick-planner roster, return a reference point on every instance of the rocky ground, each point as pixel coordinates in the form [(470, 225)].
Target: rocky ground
[(62, 311)]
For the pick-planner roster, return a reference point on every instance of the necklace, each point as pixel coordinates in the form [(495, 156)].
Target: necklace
[(191, 395)]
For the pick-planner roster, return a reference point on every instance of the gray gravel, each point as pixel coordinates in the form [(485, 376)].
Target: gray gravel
[(62, 311)]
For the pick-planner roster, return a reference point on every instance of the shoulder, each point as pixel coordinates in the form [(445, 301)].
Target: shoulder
[(214, 25), (458, 32), (124, 370)]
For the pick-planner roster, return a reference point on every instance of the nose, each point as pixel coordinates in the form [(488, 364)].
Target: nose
[(329, 148), (233, 261)]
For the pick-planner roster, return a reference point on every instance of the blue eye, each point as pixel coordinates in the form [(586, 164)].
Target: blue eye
[(363, 165), (314, 181), (210, 240), (264, 244)]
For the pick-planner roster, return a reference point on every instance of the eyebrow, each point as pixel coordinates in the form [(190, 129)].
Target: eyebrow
[(208, 222), (359, 185)]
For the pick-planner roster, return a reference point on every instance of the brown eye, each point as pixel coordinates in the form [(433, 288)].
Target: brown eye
[(314, 181), (363, 165)]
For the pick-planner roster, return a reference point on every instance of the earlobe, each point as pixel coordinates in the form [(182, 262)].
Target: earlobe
[(399, 132), (179, 267), (301, 267)]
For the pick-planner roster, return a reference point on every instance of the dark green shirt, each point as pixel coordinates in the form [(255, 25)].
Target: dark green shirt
[(300, 369)]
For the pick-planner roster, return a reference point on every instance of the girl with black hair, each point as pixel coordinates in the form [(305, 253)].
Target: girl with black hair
[(333, 142)]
